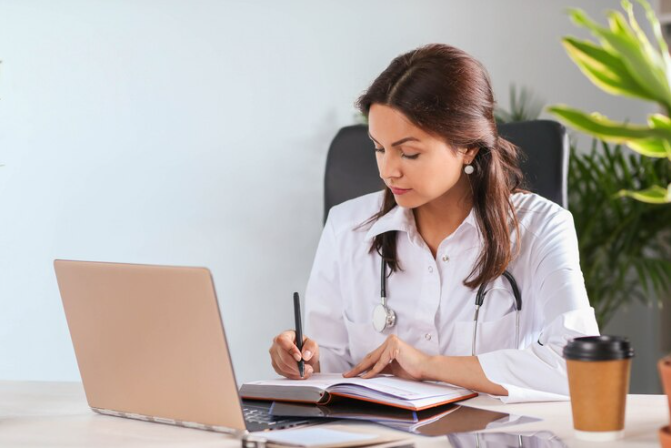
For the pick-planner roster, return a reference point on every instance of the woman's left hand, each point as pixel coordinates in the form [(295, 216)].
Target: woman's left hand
[(393, 356)]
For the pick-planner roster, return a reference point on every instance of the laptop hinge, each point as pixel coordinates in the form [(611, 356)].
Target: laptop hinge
[(240, 434)]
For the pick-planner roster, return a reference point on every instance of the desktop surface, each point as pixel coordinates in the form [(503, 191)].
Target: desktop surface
[(42, 414)]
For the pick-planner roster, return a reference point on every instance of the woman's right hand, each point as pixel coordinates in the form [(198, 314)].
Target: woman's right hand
[(285, 355)]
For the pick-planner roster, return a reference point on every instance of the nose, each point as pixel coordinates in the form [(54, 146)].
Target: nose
[(388, 166)]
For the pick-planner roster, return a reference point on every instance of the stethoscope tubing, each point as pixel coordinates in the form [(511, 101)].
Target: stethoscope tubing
[(479, 302), (480, 299)]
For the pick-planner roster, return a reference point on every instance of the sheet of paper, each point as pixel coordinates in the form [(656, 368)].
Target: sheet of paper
[(406, 389), (320, 380), (393, 386), (315, 436)]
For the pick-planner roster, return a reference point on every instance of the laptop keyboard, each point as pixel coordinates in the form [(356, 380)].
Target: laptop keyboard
[(258, 417)]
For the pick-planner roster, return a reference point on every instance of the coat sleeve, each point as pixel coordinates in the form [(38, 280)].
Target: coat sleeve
[(324, 305), (538, 372)]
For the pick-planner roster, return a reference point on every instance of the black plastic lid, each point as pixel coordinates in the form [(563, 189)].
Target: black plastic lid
[(598, 348)]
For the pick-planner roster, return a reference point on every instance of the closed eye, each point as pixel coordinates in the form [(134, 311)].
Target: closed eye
[(404, 155)]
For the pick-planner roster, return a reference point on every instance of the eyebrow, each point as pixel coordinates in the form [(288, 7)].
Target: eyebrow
[(400, 142)]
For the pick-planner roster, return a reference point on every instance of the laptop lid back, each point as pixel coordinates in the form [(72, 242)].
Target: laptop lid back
[(149, 340)]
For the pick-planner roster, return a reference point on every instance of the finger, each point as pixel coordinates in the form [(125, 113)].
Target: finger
[(273, 359), (366, 363), (363, 365), (308, 372), (287, 355), (286, 341), (310, 349), (286, 338), (288, 372), (283, 360), (287, 364), (295, 377), (275, 368), (369, 360), (382, 363), (285, 373)]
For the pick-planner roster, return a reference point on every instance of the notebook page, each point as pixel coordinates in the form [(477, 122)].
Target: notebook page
[(387, 385), (404, 389), (318, 380)]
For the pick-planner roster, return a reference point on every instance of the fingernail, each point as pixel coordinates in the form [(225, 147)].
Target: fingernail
[(307, 354), (308, 369), (297, 356)]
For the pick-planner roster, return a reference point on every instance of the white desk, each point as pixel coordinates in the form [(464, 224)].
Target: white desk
[(39, 414)]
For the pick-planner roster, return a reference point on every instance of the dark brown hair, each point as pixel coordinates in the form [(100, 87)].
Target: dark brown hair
[(447, 93)]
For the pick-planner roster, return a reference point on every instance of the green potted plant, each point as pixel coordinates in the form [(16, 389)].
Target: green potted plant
[(622, 242), (624, 62)]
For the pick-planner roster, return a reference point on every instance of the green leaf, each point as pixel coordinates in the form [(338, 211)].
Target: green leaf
[(659, 36), (604, 69), (645, 68), (580, 18), (650, 141), (652, 195), (523, 107), (659, 121), (601, 127), (640, 35), (663, 269), (663, 52), (654, 147), (642, 277), (643, 62), (662, 122)]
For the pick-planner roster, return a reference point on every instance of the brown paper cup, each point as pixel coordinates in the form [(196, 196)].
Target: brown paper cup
[(598, 389), (599, 395)]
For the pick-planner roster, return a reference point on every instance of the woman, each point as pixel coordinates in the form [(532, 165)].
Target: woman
[(452, 218)]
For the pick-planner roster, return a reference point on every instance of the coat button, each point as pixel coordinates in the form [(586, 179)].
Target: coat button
[(446, 258), (430, 269), (427, 336)]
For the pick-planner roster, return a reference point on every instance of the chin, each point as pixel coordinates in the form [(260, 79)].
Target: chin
[(407, 202)]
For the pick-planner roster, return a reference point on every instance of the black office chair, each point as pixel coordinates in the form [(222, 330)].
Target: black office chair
[(351, 170)]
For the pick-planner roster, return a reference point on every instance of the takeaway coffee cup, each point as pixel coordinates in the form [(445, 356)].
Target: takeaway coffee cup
[(598, 377)]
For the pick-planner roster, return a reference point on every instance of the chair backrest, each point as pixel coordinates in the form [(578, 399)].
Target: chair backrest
[(351, 170)]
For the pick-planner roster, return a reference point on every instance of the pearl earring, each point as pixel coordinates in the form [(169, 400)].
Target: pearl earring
[(468, 169)]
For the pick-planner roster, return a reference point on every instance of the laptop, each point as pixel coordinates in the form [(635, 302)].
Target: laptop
[(150, 345)]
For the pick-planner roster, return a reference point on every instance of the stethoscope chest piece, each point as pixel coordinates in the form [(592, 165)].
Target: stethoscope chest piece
[(383, 318)]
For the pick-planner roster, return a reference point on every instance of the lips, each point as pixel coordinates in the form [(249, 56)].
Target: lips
[(399, 191)]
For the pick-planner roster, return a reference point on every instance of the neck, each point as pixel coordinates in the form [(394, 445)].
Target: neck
[(439, 218)]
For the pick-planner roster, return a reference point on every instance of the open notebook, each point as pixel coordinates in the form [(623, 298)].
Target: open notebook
[(388, 390)]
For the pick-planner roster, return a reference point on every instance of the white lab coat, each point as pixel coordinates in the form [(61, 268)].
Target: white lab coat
[(435, 310)]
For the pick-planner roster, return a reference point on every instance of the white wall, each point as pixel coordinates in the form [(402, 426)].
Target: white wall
[(195, 133)]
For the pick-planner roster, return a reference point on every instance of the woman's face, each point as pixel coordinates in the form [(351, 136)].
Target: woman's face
[(418, 167)]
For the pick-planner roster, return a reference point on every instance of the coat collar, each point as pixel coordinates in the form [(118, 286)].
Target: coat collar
[(403, 219)]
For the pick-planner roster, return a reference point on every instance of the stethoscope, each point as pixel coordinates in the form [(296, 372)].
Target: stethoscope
[(384, 317)]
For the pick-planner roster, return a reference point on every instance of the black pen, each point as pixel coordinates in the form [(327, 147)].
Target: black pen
[(299, 332)]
